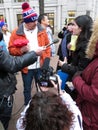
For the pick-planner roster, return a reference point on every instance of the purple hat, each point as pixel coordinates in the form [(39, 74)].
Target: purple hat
[(2, 23), (29, 15)]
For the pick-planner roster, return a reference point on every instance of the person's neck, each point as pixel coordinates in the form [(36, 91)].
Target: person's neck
[(43, 26)]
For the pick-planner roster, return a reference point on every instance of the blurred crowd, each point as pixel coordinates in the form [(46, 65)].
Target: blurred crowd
[(71, 107)]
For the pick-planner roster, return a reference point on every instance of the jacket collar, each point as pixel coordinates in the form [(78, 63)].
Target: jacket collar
[(20, 30)]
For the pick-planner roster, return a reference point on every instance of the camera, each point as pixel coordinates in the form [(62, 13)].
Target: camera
[(46, 75)]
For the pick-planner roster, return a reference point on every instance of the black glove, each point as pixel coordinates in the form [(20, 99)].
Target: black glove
[(64, 28)]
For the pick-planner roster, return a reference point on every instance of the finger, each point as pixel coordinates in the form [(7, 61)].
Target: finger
[(44, 89), (53, 83)]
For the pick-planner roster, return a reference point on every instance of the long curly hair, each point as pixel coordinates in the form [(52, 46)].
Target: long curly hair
[(47, 111)]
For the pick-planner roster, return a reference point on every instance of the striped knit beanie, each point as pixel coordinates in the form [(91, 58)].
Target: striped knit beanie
[(29, 15)]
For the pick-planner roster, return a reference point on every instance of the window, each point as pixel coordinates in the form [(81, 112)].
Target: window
[(71, 13), (1, 17), (1, 1), (88, 12), (20, 0), (51, 20), (19, 19)]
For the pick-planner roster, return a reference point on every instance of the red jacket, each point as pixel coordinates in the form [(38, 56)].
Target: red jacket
[(43, 40), (87, 87)]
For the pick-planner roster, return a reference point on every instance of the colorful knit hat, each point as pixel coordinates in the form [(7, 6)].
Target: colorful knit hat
[(2, 23), (29, 15)]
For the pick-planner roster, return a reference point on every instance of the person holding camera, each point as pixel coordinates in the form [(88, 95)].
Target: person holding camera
[(50, 110)]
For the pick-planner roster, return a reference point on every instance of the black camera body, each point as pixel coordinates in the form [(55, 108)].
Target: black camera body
[(46, 75)]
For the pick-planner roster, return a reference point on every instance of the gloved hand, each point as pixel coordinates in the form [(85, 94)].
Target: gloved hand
[(64, 28)]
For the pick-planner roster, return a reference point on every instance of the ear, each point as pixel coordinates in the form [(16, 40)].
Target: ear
[(80, 29), (42, 21)]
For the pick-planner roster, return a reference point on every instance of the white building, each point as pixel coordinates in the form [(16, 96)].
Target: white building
[(57, 10)]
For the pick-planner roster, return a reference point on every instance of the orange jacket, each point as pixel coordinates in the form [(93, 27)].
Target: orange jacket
[(43, 40)]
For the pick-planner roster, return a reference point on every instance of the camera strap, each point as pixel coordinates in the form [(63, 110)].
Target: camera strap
[(58, 89)]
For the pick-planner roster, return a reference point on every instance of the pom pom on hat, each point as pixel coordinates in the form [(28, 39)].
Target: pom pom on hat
[(25, 6), (29, 15)]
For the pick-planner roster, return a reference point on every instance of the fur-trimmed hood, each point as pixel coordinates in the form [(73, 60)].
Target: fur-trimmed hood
[(92, 48)]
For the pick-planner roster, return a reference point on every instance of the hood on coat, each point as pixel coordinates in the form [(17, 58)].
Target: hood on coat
[(92, 48)]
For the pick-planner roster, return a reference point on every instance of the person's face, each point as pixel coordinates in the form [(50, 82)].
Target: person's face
[(70, 28), (45, 21), (31, 25), (76, 29)]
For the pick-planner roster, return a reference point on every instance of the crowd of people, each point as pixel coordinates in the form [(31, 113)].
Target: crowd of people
[(82, 28), (26, 48), (49, 109)]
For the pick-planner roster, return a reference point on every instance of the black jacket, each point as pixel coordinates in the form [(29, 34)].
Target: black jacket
[(79, 61), (8, 66)]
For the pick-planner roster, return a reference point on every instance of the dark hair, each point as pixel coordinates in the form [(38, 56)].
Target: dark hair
[(85, 23), (47, 111), (69, 24), (41, 17), (1, 36)]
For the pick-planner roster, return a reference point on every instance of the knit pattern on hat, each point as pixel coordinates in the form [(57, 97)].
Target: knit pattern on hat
[(29, 15), (2, 23)]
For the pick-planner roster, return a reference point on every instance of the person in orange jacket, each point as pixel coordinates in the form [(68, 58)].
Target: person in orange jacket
[(27, 37)]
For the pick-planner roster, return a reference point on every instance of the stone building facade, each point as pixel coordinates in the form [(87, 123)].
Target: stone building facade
[(59, 11)]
